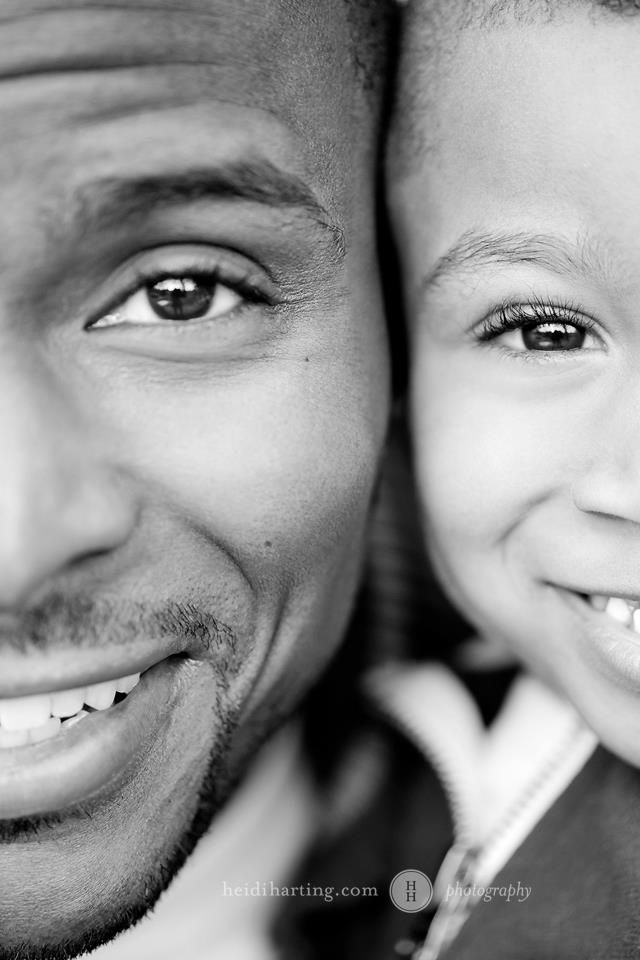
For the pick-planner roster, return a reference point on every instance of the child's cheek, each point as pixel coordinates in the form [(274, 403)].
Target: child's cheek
[(488, 455)]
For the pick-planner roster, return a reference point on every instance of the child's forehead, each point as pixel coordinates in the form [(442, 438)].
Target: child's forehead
[(550, 153), (444, 43)]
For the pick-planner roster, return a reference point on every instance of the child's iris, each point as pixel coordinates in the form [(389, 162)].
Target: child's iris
[(553, 335)]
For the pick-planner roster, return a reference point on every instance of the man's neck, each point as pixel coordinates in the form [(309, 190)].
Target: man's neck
[(223, 902)]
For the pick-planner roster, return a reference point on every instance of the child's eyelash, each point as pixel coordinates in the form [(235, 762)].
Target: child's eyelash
[(513, 315)]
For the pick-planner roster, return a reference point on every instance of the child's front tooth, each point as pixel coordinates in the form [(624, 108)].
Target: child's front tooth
[(636, 620), (22, 713), (619, 610), (100, 696), (67, 702), (598, 602)]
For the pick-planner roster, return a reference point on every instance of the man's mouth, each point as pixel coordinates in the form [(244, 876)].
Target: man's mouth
[(33, 719), (49, 763), (621, 610)]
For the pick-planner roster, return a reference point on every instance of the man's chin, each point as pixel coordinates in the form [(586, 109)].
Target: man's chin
[(25, 931)]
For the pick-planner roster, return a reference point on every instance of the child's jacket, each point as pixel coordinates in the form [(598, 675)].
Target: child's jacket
[(579, 862)]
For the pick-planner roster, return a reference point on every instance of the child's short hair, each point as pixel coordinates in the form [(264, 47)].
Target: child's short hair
[(430, 36)]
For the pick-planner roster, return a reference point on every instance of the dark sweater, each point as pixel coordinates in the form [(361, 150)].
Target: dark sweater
[(582, 862)]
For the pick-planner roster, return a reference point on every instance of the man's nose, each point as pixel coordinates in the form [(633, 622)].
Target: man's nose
[(60, 501), (609, 481)]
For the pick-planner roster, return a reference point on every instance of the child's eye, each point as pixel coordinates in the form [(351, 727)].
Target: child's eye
[(550, 335), (541, 327), (174, 299)]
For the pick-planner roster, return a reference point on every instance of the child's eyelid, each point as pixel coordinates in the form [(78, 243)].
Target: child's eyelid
[(513, 315)]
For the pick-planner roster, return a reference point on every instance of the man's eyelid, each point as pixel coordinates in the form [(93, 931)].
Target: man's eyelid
[(223, 265)]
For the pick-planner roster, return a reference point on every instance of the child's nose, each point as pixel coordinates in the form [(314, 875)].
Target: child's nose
[(609, 481)]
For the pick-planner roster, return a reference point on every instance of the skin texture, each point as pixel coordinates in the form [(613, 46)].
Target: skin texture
[(223, 468), (527, 459)]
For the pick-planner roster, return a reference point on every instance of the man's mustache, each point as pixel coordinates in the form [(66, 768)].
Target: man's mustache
[(60, 622)]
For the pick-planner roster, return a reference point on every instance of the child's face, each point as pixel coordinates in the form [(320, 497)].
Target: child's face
[(528, 440)]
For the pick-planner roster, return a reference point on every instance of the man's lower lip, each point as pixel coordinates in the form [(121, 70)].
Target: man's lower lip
[(612, 648), (84, 760)]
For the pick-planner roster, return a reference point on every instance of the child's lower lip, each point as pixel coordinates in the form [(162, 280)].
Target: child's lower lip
[(613, 648), (87, 758)]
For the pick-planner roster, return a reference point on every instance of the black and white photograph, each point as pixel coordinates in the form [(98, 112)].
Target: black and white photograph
[(319, 494)]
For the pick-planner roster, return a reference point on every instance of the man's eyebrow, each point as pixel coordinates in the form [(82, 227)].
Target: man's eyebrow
[(555, 253), (114, 200)]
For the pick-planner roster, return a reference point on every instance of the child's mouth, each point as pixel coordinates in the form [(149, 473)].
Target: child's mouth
[(625, 612)]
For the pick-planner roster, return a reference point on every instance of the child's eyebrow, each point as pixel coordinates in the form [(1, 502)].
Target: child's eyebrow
[(554, 252)]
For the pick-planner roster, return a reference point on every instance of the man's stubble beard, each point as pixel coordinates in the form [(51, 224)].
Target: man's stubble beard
[(121, 913), (81, 620)]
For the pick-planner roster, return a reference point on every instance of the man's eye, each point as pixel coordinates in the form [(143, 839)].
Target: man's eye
[(174, 299)]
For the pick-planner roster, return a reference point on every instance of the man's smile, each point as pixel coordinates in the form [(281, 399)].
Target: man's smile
[(115, 680), (28, 720), (50, 764)]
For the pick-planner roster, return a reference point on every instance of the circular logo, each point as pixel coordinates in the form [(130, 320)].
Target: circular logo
[(411, 891)]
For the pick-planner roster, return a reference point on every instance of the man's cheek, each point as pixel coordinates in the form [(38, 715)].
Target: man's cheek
[(270, 466)]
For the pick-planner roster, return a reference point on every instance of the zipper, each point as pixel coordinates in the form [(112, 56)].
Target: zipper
[(391, 702), (467, 866), (471, 869), (457, 870)]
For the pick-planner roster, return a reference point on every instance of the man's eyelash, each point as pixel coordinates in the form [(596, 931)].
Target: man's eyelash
[(513, 315), (211, 276)]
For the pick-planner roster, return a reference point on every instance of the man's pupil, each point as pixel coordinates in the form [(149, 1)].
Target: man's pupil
[(180, 298), (553, 336)]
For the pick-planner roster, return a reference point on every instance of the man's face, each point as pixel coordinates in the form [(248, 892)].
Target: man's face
[(520, 235), (194, 393)]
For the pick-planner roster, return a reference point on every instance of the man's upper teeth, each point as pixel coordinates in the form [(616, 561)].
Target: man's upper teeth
[(40, 715), (623, 611)]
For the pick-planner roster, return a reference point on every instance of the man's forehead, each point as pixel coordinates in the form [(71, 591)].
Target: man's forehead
[(267, 73), (81, 33), (247, 51)]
